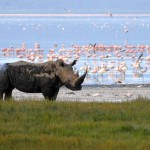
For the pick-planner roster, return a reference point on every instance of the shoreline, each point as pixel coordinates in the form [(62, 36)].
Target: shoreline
[(94, 93), (117, 85), (74, 15)]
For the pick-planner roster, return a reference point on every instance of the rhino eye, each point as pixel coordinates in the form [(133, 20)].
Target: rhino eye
[(68, 80)]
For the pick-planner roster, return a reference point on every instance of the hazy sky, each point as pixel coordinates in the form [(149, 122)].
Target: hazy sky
[(75, 6)]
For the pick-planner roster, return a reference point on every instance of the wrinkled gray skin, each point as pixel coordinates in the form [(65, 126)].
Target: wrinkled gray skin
[(45, 78)]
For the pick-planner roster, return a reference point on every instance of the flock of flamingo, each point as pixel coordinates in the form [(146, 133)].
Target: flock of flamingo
[(103, 62)]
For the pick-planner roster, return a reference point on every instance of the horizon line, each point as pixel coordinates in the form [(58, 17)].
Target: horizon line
[(75, 15)]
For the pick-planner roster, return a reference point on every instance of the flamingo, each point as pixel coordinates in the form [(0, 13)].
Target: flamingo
[(136, 65), (143, 70), (121, 68), (102, 69)]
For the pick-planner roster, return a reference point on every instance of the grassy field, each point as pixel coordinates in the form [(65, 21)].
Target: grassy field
[(40, 125)]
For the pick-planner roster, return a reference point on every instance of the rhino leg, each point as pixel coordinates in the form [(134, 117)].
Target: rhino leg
[(4, 82), (8, 93), (55, 94), (50, 94), (1, 95)]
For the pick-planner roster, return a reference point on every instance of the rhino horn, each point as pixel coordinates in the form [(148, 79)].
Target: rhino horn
[(81, 78)]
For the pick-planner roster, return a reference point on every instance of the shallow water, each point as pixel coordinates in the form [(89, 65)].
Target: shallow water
[(70, 30)]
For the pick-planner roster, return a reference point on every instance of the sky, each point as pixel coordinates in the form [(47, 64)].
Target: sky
[(74, 6)]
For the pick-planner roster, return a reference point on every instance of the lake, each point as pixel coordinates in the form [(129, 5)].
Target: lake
[(83, 30)]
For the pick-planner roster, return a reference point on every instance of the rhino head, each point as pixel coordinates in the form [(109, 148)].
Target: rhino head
[(68, 77)]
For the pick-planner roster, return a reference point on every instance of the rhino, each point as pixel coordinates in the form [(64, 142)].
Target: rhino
[(45, 78)]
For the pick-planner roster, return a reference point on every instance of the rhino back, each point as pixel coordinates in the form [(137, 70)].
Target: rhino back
[(30, 77)]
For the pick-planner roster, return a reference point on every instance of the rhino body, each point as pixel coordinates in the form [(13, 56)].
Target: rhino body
[(45, 78)]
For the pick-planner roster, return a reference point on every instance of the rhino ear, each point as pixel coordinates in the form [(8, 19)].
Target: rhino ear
[(60, 62), (74, 62)]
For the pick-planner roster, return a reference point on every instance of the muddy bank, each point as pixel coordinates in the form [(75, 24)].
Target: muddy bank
[(100, 93)]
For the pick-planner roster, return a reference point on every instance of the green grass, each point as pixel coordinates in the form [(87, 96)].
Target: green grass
[(29, 125)]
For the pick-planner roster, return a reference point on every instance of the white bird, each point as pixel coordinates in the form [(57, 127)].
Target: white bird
[(102, 69), (147, 58), (110, 14), (136, 65), (143, 70)]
